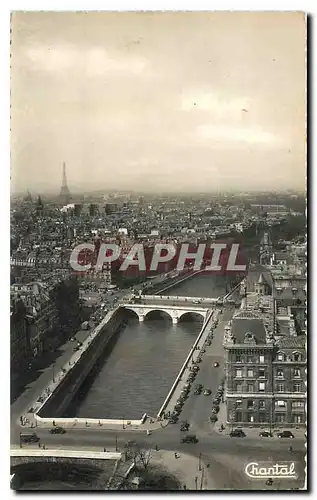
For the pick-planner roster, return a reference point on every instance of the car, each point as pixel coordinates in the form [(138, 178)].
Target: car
[(184, 426), (207, 392), (29, 437), (173, 420), (216, 364), (57, 430), (285, 434), (265, 434), (190, 438), (213, 418), (237, 433), (216, 408)]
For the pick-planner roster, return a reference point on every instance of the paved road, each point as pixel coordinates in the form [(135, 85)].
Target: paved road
[(167, 438), (227, 456), (197, 409)]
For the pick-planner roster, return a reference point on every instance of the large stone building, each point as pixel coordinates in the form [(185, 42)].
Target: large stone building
[(20, 342), (265, 360), (43, 315)]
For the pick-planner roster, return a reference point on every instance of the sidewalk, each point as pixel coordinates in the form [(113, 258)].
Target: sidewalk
[(186, 469), (182, 381)]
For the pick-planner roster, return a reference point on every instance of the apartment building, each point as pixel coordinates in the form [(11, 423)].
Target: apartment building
[(265, 363)]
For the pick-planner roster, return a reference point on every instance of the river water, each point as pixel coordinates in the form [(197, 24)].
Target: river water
[(145, 360)]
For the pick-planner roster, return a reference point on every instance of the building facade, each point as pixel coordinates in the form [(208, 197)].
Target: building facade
[(265, 364)]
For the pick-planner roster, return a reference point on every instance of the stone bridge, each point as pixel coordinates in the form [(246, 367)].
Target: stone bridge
[(25, 458), (176, 312)]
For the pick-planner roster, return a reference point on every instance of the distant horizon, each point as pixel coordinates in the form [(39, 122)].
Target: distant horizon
[(156, 193)]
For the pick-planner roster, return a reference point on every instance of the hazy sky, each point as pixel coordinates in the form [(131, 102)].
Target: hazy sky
[(158, 101)]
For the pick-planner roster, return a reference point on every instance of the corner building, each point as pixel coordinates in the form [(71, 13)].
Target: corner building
[(265, 372)]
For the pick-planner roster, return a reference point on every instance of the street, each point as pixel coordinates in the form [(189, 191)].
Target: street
[(227, 457), (197, 408)]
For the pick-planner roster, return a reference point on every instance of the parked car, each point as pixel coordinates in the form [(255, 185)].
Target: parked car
[(285, 434), (29, 437), (57, 430), (207, 392), (216, 364), (265, 434), (213, 418), (237, 433), (216, 408), (190, 438), (216, 401), (184, 426), (173, 420)]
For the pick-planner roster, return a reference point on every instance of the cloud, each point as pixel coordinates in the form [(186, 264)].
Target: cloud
[(89, 62), (236, 134), (220, 107)]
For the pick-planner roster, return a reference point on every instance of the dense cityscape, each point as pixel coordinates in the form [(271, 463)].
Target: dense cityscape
[(263, 337), (158, 251)]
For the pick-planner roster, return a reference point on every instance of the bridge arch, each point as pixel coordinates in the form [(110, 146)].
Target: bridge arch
[(192, 315), (132, 312), (158, 312)]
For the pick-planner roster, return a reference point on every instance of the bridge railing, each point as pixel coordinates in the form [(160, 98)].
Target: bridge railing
[(167, 298)]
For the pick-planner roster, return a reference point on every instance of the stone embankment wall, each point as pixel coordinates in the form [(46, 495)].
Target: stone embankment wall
[(66, 390)]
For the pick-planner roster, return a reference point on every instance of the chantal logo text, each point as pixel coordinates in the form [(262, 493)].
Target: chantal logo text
[(261, 471)]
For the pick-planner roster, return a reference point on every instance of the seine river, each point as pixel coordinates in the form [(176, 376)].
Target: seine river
[(145, 360)]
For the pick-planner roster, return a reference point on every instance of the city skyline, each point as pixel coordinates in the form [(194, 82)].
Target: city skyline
[(169, 102)]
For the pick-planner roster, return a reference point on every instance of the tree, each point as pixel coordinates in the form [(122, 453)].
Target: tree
[(138, 454)]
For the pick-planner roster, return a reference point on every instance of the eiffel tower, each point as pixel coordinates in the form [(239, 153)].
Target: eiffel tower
[(65, 194)]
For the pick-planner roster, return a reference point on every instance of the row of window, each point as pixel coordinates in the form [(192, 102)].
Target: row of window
[(263, 417), (296, 373), (295, 388), (262, 404), (251, 387), (262, 386), (295, 356), (261, 373)]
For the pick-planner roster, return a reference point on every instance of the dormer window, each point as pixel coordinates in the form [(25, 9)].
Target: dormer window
[(281, 356), (296, 356)]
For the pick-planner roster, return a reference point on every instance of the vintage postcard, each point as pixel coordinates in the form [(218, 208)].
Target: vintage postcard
[(158, 251)]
